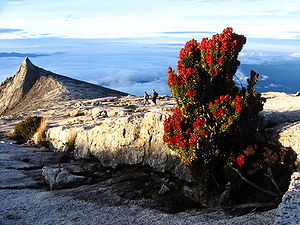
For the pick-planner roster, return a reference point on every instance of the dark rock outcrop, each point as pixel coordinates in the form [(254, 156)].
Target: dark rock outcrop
[(33, 87)]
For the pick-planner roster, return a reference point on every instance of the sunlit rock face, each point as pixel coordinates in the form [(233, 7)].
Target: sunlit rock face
[(134, 138), (283, 110)]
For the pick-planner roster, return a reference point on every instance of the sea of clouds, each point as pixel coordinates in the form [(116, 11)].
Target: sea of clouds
[(138, 65)]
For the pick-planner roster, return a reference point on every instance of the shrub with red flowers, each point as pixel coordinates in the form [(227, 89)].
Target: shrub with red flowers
[(208, 101), (214, 120)]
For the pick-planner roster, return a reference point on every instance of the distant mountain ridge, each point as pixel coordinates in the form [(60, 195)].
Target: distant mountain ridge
[(33, 87)]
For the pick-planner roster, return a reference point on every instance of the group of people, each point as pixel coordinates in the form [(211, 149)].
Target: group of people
[(153, 98)]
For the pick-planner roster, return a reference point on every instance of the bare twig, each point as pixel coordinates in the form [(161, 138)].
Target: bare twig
[(254, 185), (239, 80), (270, 175), (215, 180)]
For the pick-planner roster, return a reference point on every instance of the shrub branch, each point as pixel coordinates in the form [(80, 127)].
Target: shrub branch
[(253, 184)]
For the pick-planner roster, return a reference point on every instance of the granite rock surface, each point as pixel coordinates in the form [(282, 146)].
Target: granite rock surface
[(117, 130)]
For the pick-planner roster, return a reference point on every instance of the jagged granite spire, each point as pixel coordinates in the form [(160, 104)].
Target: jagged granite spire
[(14, 90), (27, 61), (33, 87), (28, 74)]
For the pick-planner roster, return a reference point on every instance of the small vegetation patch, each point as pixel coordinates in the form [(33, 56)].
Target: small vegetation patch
[(25, 129), (41, 138), (71, 141)]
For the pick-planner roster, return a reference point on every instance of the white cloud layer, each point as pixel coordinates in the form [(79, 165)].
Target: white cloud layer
[(295, 55), (135, 18), (272, 85)]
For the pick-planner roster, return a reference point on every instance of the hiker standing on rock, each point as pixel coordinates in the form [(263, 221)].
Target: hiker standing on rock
[(146, 98), (154, 96)]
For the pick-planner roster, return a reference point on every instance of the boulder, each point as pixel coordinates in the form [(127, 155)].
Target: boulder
[(288, 135), (131, 139), (76, 112), (60, 178), (283, 110)]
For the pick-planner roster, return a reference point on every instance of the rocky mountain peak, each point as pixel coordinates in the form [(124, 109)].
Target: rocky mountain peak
[(33, 87), (27, 62), (27, 75), (12, 91), (27, 65)]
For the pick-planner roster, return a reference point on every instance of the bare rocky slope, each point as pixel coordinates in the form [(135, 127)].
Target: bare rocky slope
[(33, 87)]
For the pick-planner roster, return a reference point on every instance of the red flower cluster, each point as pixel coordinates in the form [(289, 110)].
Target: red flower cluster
[(189, 47), (194, 139), (173, 127), (220, 106), (176, 133), (220, 111), (174, 121), (240, 160), (200, 130), (225, 98), (199, 123), (238, 103), (227, 40), (173, 79), (220, 49), (177, 139), (208, 44), (226, 111), (191, 93), (209, 59), (185, 73), (221, 60)]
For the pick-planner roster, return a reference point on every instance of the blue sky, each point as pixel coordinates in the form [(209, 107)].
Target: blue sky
[(139, 18), (129, 44)]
